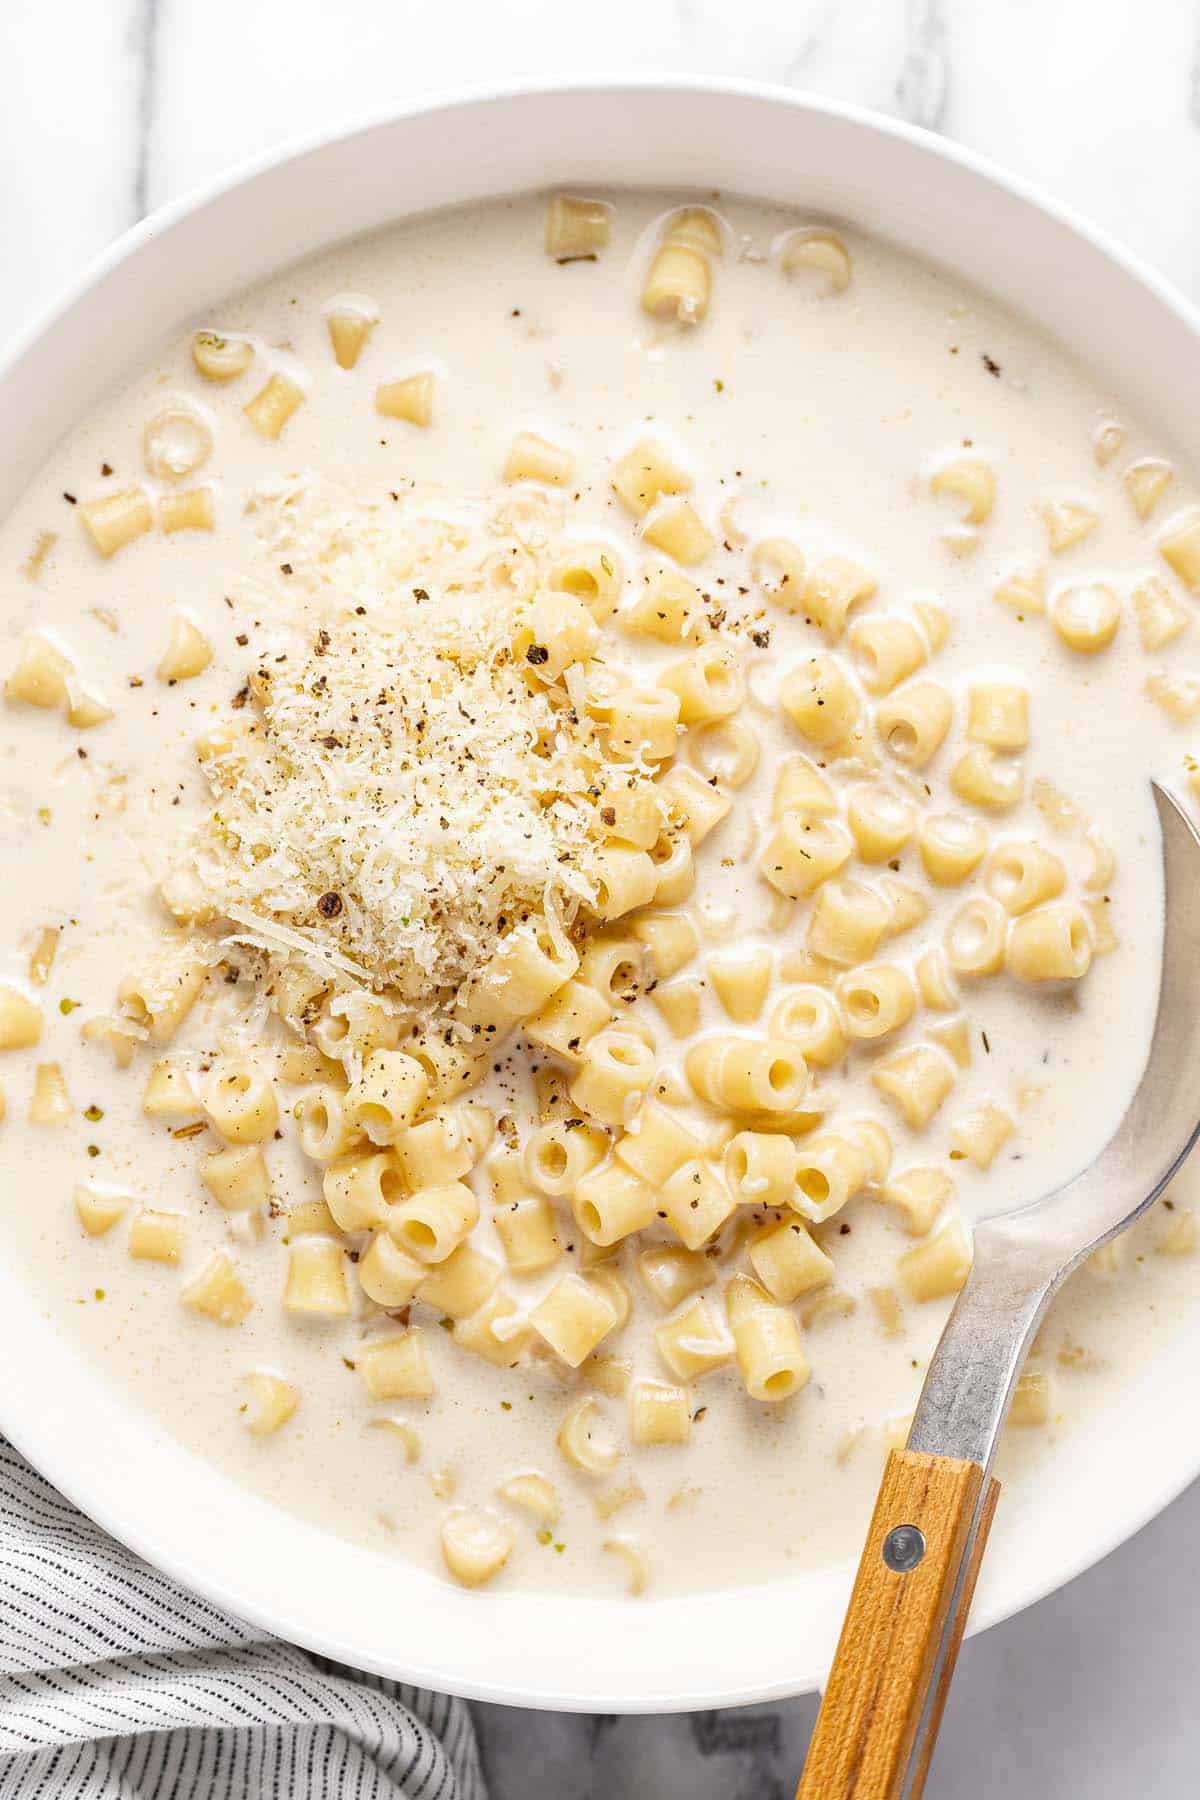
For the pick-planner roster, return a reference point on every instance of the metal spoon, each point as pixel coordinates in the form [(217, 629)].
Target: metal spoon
[(882, 1706)]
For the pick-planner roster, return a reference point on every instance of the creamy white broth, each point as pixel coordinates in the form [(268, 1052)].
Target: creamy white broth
[(820, 419)]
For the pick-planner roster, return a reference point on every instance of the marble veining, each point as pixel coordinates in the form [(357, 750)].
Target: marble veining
[(108, 110)]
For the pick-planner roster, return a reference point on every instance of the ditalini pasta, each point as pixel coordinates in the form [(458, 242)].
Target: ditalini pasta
[(561, 853)]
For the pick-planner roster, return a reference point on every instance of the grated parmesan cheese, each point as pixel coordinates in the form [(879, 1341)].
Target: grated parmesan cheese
[(399, 786)]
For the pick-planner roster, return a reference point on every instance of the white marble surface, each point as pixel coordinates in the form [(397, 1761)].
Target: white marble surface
[(110, 107)]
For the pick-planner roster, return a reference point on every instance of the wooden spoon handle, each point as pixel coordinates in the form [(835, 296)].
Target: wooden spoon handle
[(919, 1545)]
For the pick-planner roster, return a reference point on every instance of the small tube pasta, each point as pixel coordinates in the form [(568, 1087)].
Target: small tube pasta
[(1180, 550), (670, 938), (573, 1317), (789, 1261), (359, 1190), (801, 787), (1022, 874), (561, 1152), (117, 519), (811, 1019), (273, 406), (970, 481), (219, 1293), (410, 398), (888, 648), (976, 937), (160, 999), (830, 1170), (914, 722), (820, 701), (531, 458), (984, 779), (981, 1135), (192, 510), (239, 1099), (694, 806), (644, 475), (679, 280), (673, 1274), (569, 1020), (998, 715), (1086, 618), (434, 1151), (461, 1284), (1033, 1399), (271, 1403), (951, 847), (220, 358), (919, 1195), (41, 674), (350, 320), (98, 1209), (591, 573), (848, 922), (576, 228), (669, 607), (656, 1144), (815, 250), (1053, 942), (387, 1274), (475, 1546), (643, 722), (1067, 522), (237, 1178), (770, 1355), (880, 820), (397, 1368), (587, 1440), (725, 750), (740, 982), (694, 1342), (659, 1413), (675, 867), (385, 1099), (760, 1168), (939, 1266), (434, 1221), (876, 1000), (612, 1203), (695, 1203), (802, 852), (835, 586), (20, 1020), (709, 683), (323, 1128), (316, 1279), (498, 1331), (748, 1074), (528, 1234), (676, 528), (188, 652), (615, 1072), (156, 1235), (916, 1082), (935, 982)]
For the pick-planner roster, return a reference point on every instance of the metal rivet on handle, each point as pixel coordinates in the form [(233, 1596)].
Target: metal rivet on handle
[(903, 1548)]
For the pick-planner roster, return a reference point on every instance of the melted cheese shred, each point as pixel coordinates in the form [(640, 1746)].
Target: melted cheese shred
[(397, 785)]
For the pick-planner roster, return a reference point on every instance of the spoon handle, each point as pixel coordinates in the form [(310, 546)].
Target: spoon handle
[(882, 1705)]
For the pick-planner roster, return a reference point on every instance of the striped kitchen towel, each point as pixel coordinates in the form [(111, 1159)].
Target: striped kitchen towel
[(115, 1684)]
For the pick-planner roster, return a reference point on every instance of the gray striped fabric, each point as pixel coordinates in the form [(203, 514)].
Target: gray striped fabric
[(115, 1684)]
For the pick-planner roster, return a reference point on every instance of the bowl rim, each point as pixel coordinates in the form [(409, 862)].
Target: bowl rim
[(53, 1458)]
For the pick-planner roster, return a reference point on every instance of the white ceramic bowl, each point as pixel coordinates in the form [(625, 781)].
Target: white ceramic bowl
[(938, 201)]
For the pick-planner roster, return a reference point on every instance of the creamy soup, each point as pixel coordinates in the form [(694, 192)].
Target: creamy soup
[(575, 807)]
